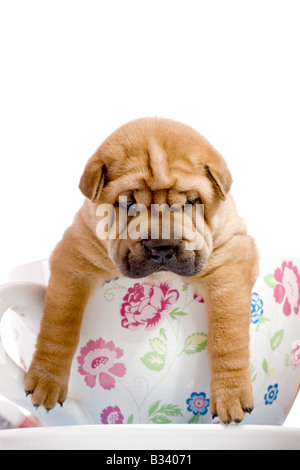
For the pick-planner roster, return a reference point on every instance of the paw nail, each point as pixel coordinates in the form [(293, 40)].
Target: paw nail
[(249, 410), (27, 393), (61, 404), (36, 406)]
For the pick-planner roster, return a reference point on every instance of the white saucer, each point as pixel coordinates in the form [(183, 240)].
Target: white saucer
[(152, 437)]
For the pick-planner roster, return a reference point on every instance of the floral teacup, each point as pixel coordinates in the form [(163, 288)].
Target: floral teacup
[(142, 354)]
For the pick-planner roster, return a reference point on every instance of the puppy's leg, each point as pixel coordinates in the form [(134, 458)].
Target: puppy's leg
[(66, 298), (228, 349), (227, 294)]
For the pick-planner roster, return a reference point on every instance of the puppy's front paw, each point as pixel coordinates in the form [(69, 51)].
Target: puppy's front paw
[(231, 403), (46, 387)]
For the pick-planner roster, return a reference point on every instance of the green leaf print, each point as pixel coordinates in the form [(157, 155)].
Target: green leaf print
[(130, 419), (160, 419), (170, 410), (265, 366), (160, 414), (262, 320), (158, 346), (153, 407), (194, 419), (195, 343), (162, 333), (270, 281), (154, 361), (177, 313), (276, 340), (253, 373), (287, 360)]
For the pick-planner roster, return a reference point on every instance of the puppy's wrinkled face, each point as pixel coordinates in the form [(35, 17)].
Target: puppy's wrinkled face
[(155, 187), (155, 231)]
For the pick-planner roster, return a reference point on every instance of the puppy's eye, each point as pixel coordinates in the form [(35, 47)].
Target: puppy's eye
[(188, 205), (127, 205)]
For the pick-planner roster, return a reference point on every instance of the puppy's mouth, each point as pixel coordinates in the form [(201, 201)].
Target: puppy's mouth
[(154, 257)]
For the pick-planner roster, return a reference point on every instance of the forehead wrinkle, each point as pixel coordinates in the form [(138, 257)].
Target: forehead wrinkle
[(183, 163), (202, 186), (123, 184), (158, 166)]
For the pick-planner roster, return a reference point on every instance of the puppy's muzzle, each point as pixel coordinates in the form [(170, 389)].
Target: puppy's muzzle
[(159, 253)]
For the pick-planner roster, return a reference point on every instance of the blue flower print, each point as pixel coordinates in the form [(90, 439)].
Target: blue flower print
[(115, 279), (271, 395), (256, 308), (198, 404)]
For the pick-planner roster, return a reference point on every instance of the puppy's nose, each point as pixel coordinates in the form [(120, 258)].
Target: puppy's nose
[(160, 253)]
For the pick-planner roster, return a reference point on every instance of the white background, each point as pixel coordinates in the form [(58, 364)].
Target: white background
[(72, 71)]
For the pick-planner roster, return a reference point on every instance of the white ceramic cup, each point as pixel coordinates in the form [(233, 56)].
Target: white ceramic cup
[(142, 354)]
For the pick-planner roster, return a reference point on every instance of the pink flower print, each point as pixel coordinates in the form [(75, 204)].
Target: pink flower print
[(112, 415), (23, 364), (98, 359), (295, 356), (198, 298), (144, 304), (288, 288)]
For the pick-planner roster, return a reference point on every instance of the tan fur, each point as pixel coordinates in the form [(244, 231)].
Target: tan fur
[(154, 161)]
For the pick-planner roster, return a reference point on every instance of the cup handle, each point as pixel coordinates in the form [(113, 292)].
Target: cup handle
[(18, 296)]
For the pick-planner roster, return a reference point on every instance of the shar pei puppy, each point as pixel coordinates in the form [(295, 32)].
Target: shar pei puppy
[(157, 204)]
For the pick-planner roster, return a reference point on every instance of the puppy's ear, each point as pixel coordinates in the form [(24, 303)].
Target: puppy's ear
[(221, 179), (93, 180)]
